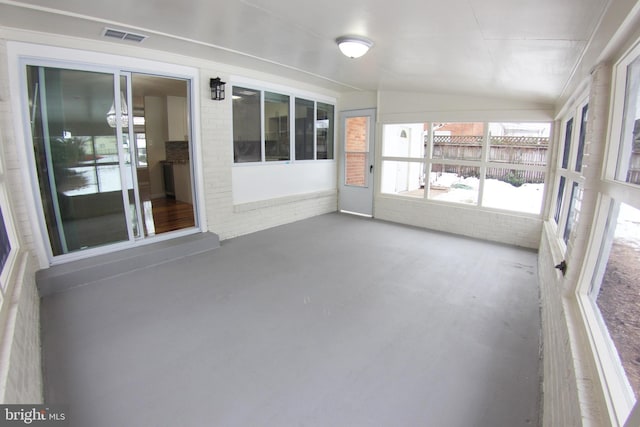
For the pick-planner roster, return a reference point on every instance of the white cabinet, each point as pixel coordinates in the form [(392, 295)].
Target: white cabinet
[(177, 118)]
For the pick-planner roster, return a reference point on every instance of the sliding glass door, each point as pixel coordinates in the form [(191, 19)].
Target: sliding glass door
[(90, 146)]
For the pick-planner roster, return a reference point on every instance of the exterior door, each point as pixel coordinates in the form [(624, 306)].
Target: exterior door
[(98, 182), (357, 171)]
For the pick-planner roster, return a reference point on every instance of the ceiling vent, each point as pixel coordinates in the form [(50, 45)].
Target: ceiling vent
[(123, 35)]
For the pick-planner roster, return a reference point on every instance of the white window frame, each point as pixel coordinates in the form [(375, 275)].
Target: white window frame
[(482, 164), (570, 175), (616, 391), (262, 87)]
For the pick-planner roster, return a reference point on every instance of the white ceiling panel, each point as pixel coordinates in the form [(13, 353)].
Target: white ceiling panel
[(523, 49)]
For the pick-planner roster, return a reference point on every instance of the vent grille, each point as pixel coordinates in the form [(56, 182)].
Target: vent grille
[(124, 35)]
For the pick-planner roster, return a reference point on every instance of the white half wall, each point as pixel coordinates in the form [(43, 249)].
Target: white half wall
[(269, 181)]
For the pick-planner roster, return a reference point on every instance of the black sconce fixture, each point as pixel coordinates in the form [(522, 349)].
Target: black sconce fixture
[(217, 89)]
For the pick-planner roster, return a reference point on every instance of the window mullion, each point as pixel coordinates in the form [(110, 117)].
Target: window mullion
[(484, 158)]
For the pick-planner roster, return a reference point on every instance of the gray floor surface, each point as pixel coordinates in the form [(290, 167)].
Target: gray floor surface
[(331, 321)]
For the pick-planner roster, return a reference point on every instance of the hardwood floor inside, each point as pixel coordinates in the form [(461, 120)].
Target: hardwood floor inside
[(169, 215)]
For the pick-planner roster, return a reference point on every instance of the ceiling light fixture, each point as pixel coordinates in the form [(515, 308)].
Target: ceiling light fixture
[(354, 46), (124, 113)]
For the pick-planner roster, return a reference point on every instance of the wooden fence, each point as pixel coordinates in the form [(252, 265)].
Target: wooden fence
[(519, 150)]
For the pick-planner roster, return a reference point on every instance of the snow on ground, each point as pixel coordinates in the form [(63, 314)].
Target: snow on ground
[(628, 225), (497, 194)]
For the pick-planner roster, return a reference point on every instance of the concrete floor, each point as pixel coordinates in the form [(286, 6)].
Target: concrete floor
[(330, 321)]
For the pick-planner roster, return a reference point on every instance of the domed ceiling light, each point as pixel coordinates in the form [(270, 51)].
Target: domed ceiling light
[(354, 46)]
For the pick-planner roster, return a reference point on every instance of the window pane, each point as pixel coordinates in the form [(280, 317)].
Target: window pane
[(519, 143), (581, 139), (5, 243), (460, 141), (324, 131), (404, 178), (514, 190), (574, 211), (304, 129), (567, 144), (618, 297), (454, 183), (406, 140), (247, 143), (559, 199), (276, 124), (356, 150), (629, 161)]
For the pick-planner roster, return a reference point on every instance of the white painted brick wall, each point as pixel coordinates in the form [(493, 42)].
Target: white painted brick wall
[(23, 380), (217, 158), (494, 226), (572, 393), (559, 387)]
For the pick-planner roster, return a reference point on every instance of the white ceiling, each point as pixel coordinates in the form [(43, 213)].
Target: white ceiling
[(523, 49)]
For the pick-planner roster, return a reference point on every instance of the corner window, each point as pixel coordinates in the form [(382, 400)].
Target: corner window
[(497, 165), (279, 127)]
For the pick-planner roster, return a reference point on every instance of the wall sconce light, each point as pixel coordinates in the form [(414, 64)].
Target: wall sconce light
[(217, 89), (354, 46)]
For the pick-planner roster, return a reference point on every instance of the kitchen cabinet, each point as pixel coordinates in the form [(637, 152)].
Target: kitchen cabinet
[(177, 124)]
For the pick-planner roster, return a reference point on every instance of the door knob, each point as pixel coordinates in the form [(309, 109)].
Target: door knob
[(370, 168)]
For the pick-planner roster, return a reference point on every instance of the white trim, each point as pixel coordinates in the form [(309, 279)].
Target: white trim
[(616, 117), (279, 88)]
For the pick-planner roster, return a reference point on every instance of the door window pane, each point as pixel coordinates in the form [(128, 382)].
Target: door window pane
[(304, 129), (324, 131), (618, 296), (629, 161), (247, 142), (276, 127), (356, 151), (454, 183), (519, 143), (458, 141)]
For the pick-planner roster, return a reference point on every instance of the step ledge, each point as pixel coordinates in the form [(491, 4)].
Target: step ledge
[(60, 278)]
